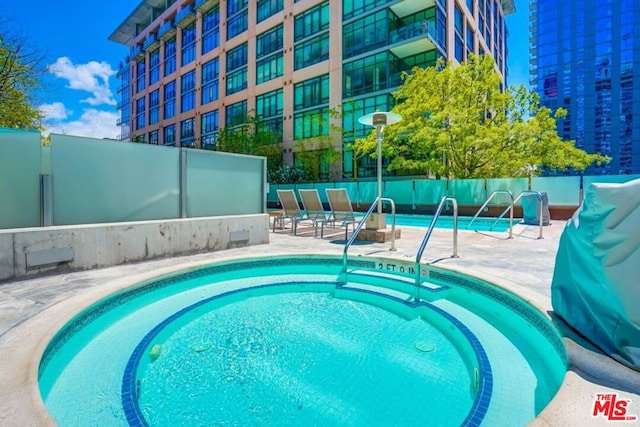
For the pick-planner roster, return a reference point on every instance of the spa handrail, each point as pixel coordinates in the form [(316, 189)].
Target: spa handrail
[(443, 201), (510, 194), (363, 221), (518, 197)]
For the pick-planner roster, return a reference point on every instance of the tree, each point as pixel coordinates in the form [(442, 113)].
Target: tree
[(458, 123), (20, 70), (253, 137)]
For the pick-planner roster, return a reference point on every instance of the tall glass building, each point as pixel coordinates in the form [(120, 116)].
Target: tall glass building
[(585, 57), (197, 66)]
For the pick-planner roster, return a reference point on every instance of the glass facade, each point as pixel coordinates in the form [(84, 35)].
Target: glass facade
[(279, 67), (584, 60)]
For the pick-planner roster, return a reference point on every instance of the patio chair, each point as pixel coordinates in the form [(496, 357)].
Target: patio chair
[(290, 210), (314, 209), (341, 208)]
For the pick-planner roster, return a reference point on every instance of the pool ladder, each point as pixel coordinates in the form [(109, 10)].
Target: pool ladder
[(509, 209), (427, 236)]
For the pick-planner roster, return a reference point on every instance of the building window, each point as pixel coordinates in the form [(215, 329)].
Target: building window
[(154, 136), (311, 123), (236, 114), (237, 18), (188, 91), (369, 33), (140, 116), (188, 44), (187, 133), (140, 76), (311, 22), (237, 69), (269, 63), (269, 108), (351, 9), (210, 79), (312, 92), (459, 31), (211, 29), (169, 135), (154, 107), (367, 75), (209, 130), (268, 8), (154, 67), (169, 56), (170, 100), (311, 51)]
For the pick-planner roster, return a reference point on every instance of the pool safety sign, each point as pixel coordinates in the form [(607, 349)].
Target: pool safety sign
[(612, 408)]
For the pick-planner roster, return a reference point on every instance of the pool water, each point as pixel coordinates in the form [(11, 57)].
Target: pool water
[(282, 341), (445, 221)]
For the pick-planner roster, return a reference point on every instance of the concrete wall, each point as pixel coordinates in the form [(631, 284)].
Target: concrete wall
[(29, 251)]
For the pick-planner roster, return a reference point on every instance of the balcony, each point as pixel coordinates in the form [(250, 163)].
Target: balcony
[(186, 16), (166, 31), (412, 39), (151, 42), (137, 53), (205, 5)]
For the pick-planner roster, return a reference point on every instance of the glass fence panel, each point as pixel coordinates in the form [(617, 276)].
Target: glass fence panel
[(224, 184), (468, 191), (429, 192), (97, 181), (514, 185), (561, 190), (321, 187), (20, 165), (400, 191)]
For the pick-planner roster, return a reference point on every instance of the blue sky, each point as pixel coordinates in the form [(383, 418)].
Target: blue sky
[(80, 96)]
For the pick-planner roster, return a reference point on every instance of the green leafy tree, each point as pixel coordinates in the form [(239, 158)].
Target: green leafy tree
[(253, 137), (458, 123), (20, 71)]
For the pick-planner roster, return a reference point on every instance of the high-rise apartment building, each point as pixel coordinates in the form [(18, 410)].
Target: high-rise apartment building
[(585, 57), (196, 66)]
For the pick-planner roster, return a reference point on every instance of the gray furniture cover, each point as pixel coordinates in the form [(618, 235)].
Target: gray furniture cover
[(596, 280)]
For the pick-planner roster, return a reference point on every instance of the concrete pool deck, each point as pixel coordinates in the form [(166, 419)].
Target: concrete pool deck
[(32, 310)]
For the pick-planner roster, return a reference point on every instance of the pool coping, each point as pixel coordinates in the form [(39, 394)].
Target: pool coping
[(22, 346)]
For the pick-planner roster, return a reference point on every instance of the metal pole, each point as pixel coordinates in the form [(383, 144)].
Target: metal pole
[(379, 134)]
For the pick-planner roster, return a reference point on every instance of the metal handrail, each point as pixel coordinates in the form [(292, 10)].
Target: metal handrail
[(363, 221), (510, 194), (518, 197), (428, 235)]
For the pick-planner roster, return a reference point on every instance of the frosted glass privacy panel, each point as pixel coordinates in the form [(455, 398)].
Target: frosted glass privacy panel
[(97, 181), (429, 192), (468, 191), (561, 190), (514, 185), (19, 179), (224, 184), (400, 191)]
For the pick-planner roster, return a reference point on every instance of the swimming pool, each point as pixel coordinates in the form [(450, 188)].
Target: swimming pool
[(313, 345), (445, 221)]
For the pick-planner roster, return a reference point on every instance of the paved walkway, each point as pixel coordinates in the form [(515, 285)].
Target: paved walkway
[(32, 310)]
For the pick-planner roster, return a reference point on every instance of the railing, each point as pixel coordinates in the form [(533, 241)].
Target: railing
[(443, 201), (510, 194), (540, 200), (363, 221)]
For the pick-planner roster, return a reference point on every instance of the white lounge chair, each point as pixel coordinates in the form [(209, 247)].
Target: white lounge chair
[(290, 210), (341, 208), (314, 209)]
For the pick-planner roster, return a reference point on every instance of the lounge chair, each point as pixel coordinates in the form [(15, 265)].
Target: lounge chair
[(314, 209), (290, 210), (341, 208)]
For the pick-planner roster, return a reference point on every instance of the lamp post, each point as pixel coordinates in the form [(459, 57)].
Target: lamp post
[(379, 120)]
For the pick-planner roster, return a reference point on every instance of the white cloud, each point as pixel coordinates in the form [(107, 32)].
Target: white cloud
[(92, 123), (54, 111), (91, 77)]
